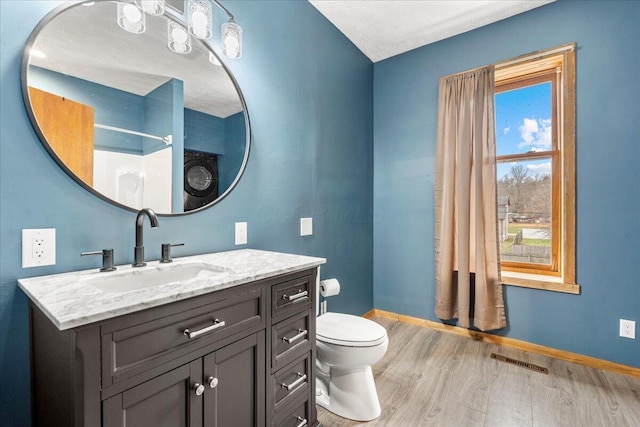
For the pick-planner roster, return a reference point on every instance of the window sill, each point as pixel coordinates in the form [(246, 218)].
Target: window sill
[(538, 281)]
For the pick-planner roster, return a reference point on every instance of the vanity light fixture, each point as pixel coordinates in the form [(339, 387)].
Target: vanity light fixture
[(231, 39), (179, 38), (199, 18), (152, 7), (200, 22), (131, 18)]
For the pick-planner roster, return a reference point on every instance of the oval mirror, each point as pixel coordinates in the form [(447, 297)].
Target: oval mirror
[(134, 122)]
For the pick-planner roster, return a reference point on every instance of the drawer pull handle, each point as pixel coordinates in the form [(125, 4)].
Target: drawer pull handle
[(198, 388), (296, 297), (296, 383), (301, 334), (303, 421), (216, 324)]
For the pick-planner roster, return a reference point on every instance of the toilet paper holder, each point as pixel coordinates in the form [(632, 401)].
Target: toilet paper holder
[(329, 287)]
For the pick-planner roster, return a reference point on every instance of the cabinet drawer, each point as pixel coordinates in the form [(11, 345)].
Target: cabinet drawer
[(296, 415), (132, 349), (290, 339), (291, 382), (292, 296)]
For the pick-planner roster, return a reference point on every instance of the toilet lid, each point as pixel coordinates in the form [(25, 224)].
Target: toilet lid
[(348, 330)]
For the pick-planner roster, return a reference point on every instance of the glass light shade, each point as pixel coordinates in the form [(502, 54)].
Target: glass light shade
[(179, 38), (130, 18), (152, 7), (231, 39), (214, 59), (199, 18)]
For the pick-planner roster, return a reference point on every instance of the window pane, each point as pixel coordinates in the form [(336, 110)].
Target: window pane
[(524, 211), (523, 120)]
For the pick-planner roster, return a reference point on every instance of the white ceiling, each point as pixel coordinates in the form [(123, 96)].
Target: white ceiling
[(385, 28), (140, 63)]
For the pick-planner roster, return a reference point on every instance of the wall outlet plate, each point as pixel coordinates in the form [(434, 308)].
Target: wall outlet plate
[(628, 329), (306, 226), (241, 233), (38, 247)]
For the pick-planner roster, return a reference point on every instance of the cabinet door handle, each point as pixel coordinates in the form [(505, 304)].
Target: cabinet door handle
[(301, 334), (303, 421), (198, 388), (213, 382), (296, 383), (216, 324), (295, 297)]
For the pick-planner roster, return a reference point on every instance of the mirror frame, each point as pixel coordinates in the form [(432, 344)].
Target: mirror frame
[(34, 122)]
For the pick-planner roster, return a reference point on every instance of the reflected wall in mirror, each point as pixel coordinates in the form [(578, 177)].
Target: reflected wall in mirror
[(131, 120)]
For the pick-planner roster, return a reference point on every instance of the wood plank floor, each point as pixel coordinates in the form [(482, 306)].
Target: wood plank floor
[(432, 378)]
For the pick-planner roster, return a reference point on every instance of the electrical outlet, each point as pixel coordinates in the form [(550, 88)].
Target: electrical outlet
[(38, 247), (241, 233), (628, 329)]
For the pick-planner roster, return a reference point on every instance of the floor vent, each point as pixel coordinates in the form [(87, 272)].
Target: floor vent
[(520, 363)]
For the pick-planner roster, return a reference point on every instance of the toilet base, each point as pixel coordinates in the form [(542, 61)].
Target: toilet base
[(349, 393)]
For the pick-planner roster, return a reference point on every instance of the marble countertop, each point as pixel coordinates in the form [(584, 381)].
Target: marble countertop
[(70, 300)]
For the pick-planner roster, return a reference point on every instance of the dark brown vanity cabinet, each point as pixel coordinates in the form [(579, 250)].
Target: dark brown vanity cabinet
[(291, 389), (235, 357), (224, 388)]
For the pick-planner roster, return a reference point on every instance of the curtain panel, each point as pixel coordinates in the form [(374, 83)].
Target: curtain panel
[(468, 283)]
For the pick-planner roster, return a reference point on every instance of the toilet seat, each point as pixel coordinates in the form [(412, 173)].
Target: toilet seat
[(349, 331)]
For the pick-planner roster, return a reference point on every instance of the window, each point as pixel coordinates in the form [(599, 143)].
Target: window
[(535, 154)]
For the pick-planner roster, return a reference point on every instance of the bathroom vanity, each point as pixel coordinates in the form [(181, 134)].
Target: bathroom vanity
[(224, 339)]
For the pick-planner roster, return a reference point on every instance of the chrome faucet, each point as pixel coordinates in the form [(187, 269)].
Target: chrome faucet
[(138, 255)]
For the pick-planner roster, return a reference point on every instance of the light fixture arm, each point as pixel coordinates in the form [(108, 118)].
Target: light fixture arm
[(224, 9)]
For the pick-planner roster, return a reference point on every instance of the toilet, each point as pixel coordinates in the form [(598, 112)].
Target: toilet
[(347, 346)]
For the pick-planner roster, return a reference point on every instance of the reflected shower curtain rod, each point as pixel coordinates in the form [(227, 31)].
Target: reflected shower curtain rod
[(167, 139)]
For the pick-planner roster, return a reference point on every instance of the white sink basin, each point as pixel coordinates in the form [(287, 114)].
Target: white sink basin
[(161, 274)]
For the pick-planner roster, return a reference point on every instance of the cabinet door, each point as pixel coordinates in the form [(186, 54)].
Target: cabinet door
[(238, 398), (168, 400)]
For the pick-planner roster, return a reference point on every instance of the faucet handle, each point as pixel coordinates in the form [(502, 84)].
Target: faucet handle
[(107, 259), (166, 251)]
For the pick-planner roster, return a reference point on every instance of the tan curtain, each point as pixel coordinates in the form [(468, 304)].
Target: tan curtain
[(468, 284)]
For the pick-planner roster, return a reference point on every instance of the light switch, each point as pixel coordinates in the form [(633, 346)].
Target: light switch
[(241, 233), (306, 226)]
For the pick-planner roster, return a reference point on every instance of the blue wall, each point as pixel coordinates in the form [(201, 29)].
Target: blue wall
[(159, 106), (164, 115), (111, 107), (309, 93), (230, 163), (203, 132), (608, 177)]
